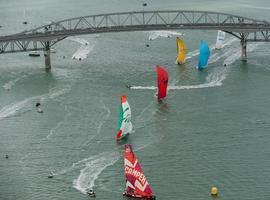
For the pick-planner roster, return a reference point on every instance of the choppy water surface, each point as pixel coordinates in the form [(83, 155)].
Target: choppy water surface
[(213, 129)]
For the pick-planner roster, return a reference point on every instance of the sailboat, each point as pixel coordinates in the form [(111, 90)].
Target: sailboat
[(220, 40), (124, 120), (162, 82), (204, 55), (136, 183), (181, 51)]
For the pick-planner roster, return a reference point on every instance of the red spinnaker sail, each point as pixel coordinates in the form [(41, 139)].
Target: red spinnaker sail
[(162, 81), (136, 183)]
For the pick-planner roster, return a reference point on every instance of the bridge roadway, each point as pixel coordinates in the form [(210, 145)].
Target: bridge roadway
[(42, 38)]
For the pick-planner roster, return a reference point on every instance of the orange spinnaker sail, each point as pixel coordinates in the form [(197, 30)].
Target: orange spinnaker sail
[(136, 183), (162, 82), (181, 51)]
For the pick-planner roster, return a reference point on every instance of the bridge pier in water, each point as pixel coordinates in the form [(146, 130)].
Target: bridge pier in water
[(244, 50), (47, 56)]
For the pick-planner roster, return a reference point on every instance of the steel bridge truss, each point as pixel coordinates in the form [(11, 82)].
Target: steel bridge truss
[(43, 37)]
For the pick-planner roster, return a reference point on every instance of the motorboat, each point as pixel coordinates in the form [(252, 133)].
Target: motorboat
[(34, 54), (91, 193)]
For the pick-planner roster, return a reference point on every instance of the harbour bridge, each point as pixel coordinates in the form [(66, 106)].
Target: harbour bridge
[(44, 37)]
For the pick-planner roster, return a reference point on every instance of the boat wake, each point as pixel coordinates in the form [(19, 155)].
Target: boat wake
[(196, 52), (216, 77), (13, 108), (235, 55), (92, 168), (11, 83), (83, 50), (28, 103), (155, 34), (101, 119), (143, 87), (212, 80)]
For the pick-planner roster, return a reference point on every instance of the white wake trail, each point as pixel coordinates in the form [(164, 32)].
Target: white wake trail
[(11, 83), (155, 34), (28, 103), (83, 50), (196, 52), (218, 75), (93, 167), (13, 108)]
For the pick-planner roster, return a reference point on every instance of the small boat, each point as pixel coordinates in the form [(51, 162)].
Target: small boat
[(181, 51), (136, 183), (162, 82), (124, 120), (50, 175), (220, 40), (128, 86), (91, 193), (24, 22), (144, 4), (204, 55), (34, 54)]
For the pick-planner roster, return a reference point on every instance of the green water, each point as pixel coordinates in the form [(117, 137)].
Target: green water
[(213, 128)]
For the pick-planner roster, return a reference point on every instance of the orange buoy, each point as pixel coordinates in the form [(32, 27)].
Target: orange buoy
[(214, 191)]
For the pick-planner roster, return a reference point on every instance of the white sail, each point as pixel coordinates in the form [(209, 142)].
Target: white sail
[(125, 125), (220, 39)]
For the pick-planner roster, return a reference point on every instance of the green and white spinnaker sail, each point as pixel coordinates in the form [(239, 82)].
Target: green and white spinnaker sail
[(124, 120)]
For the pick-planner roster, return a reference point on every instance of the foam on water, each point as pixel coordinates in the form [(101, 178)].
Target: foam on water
[(93, 167), (212, 80), (236, 54), (13, 108), (217, 76), (28, 103), (143, 87), (83, 50), (196, 52), (11, 83), (155, 34)]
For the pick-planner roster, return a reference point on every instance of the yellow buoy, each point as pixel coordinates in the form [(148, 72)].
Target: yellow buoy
[(214, 191)]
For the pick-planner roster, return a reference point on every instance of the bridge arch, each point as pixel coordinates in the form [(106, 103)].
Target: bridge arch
[(244, 28)]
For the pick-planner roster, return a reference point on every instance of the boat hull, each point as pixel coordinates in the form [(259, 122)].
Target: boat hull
[(34, 55), (139, 197), (123, 137)]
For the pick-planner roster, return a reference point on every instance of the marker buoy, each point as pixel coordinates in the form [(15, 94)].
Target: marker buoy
[(214, 191)]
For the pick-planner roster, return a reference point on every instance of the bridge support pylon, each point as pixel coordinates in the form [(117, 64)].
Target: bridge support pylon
[(244, 50), (47, 55)]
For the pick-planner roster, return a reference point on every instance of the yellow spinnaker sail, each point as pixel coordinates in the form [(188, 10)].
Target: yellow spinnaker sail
[(181, 51)]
